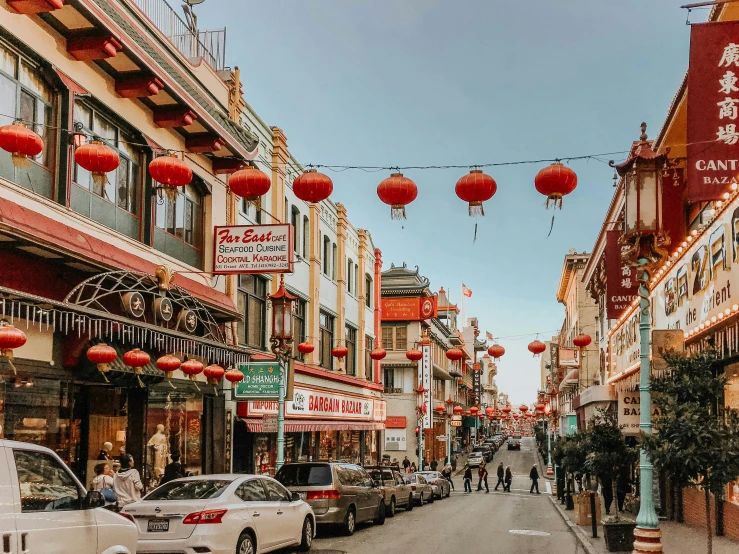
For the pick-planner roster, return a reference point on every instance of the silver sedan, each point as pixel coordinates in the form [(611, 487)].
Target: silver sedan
[(439, 484)]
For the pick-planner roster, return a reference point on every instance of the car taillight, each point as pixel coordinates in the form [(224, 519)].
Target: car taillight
[(328, 494), (129, 517), (413, 487), (208, 516)]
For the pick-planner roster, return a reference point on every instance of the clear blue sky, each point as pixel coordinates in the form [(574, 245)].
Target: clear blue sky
[(422, 82)]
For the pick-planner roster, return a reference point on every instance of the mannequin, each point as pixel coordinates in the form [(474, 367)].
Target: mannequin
[(160, 444), (104, 453)]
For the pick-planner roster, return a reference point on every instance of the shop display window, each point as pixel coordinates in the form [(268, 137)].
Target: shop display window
[(370, 448), (349, 446), (265, 454), (327, 450)]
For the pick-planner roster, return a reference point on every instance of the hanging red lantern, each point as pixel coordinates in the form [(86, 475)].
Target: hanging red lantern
[(97, 158), (21, 142), (475, 188), (489, 410), (234, 376), (136, 359), (192, 368), (10, 338), (214, 373), (249, 183), (168, 364), (537, 347), (439, 409), (458, 410), (102, 355), (378, 354), (523, 408), (467, 412), (540, 407), (454, 354), (414, 355), (554, 182), (496, 351), (340, 352), (515, 416), (170, 172), (474, 409), (506, 409), (306, 347), (313, 186), (398, 192), (582, 341)]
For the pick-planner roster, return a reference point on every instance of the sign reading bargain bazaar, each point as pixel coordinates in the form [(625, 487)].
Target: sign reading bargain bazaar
[(253, 249), (326, 405)]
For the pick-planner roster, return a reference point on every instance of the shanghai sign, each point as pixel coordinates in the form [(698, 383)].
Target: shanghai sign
[(253, 249), (261, 381)]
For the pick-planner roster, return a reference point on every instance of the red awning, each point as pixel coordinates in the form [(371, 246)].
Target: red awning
[(303, 425)]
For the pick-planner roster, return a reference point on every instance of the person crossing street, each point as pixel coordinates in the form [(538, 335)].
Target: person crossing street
[(501, 475), (534, 476)]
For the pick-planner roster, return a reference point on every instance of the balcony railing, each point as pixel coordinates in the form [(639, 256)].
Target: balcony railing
[(208, 45)]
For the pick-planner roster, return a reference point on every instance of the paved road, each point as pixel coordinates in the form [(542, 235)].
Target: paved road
[(514, 523)]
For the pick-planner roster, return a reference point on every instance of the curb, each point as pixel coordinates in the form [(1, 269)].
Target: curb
[(579, 533), (543, 466)]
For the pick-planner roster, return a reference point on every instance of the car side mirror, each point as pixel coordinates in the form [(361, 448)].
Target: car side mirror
[(93, 499), (295, 497)]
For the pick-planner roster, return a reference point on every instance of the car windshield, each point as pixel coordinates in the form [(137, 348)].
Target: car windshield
[(190, 490), (305, 475), (377, 475), (430, 474), (479, 449)]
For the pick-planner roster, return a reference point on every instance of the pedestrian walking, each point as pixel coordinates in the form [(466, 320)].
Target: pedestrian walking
[(406, 464), (480, 470), (127, 483), (484, 478), (534, 476), (173, 470), (508, 479), (434, 464), (606, 488), (467, 478), (446, 473), (413, 467), (623, 487), (501, 475)]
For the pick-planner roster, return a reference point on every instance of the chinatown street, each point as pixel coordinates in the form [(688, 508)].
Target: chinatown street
[(513, 522)]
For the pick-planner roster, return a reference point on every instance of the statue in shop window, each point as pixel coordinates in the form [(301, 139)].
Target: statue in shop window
[(160, 445)]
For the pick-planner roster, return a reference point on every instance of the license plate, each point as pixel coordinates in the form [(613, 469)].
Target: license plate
[(158, 526)]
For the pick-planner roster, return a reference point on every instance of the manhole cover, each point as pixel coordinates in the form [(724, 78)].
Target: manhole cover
[(529, 532)]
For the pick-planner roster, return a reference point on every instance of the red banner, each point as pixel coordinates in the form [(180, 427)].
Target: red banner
[(713, 110), (409, 309), (622, 286)]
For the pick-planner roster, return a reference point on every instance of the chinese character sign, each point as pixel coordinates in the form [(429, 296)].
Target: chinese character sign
[(713, 110), (425, 379), (622, 286)]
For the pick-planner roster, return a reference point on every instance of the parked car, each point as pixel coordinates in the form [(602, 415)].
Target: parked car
[(340, 494), (475, 459), (222, 513), (514, 443), (45, 508), (493, 444), (422, 491), (394, 490), (439, 484), (485, 450)]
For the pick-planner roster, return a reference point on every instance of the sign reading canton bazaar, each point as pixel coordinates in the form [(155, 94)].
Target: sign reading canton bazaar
[(713, 110), (622, 286), (409, 309), (261, 380), (253, 249)]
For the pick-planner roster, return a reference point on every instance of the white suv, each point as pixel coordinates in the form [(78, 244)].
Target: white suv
[(44, 508)]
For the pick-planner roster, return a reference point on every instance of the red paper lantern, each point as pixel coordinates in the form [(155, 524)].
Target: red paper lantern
[(97, 158), (192, 368), (506, 409), (537, 347), (234, 376), (10, 337), (313, 186), (475, 188), (489, 410), (340, 352), (414, 355), (168, 364), (458, 410), (454, 354), (398, 192), (136, 359), (439, 409), (496, 351), (102, 355), (582, 341), (378, 354), (214, 373), (554, 182), (474, 409), (540, 407), (467, 412), (523, 408), (306, 347), (170, 172), (249, 183), (21, 142)]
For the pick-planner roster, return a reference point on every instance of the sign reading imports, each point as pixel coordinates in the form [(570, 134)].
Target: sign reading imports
[(261, 380), (622, 286), (713, 110), (409, 309), (253, 249)]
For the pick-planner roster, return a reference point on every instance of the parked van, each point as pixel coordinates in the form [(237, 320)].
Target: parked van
[(44, 508)]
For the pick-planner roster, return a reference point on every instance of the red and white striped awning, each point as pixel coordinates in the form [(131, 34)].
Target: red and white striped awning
[(303, 425)]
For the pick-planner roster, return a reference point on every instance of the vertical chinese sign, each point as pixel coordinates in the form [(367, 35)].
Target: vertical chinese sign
[(713, 110), (424, 378), (476, 383), (622, 286)]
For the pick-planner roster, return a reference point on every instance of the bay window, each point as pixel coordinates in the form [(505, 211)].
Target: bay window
[(252, 303), (179, 224)]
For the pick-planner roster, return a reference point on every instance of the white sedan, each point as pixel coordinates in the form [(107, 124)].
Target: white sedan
[(220, 514)]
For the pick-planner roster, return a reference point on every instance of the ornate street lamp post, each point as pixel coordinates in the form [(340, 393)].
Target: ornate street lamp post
[(548, 412), (643, 245), (449, 414), (420, 411), (281, 345)]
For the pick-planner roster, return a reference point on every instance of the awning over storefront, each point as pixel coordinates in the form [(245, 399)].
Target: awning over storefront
[(302, 425)]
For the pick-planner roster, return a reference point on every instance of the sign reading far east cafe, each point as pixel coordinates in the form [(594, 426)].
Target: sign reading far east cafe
[(253, 249)]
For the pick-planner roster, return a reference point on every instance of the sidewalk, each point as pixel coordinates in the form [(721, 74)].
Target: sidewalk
[(677, 538)]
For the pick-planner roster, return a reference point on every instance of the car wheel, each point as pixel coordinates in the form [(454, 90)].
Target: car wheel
[(350, 522), (432, 497), (420, 500), (306, 539), (245, 544), (391, 510), (449, 492), (381, 512), (409, 506)]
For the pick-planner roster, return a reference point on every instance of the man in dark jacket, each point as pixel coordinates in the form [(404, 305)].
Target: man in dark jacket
[(173, 470), (434, 464), (534, 476), (467, 478), (501, 474), (406, 464)]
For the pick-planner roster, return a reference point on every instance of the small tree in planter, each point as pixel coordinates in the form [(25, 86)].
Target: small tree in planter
[(695, 439)]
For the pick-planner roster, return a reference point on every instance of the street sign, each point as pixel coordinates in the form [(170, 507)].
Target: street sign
[(456, 423), (269, 424), (456, 418), (441, 438), (261, 381)]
